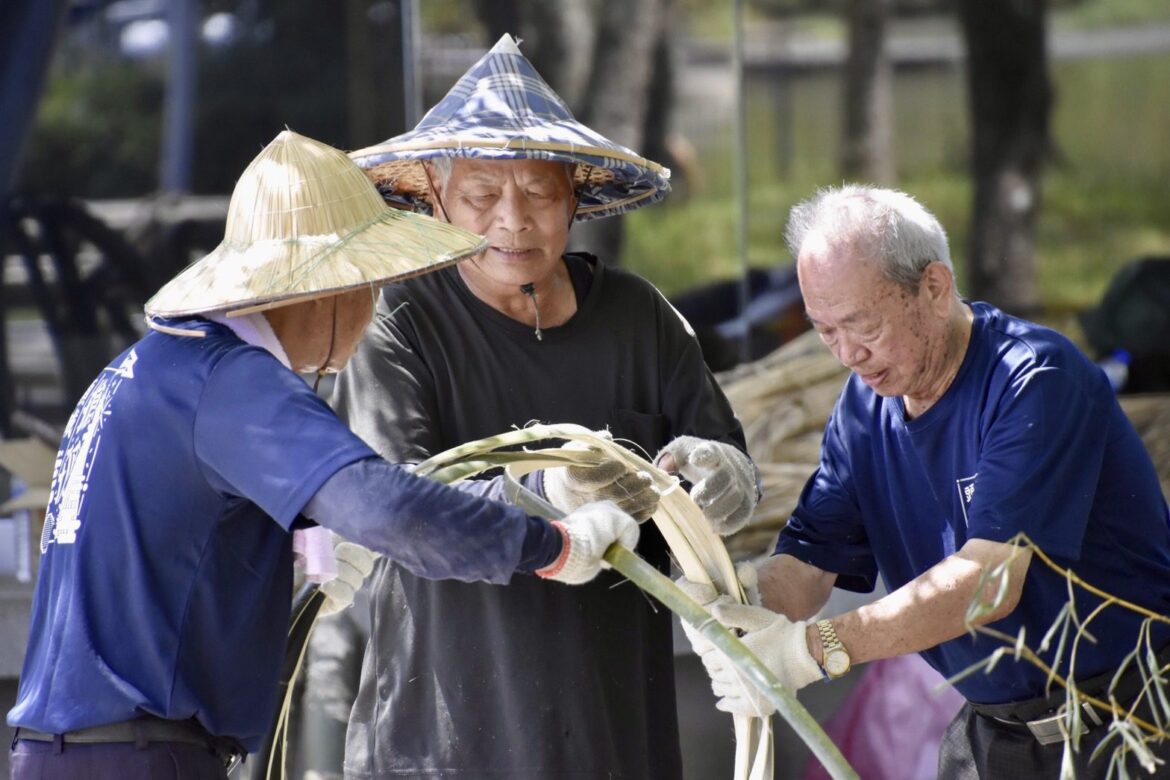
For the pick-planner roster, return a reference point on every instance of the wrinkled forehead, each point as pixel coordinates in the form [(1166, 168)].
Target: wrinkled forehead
[(521, 171), (839, 278)]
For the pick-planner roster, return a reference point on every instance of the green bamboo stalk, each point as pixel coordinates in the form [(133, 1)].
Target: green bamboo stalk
[(660, 587), (652, 581), (475, 457)]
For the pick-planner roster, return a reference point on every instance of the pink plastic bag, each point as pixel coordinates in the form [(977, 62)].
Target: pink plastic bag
[(891, 724)]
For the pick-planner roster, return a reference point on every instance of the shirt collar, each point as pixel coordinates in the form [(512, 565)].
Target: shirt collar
[(254, 329)]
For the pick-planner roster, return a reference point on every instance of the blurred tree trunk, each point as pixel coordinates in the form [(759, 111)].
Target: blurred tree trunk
[(611, 61), (867, 151), (1011, 101), (619, 92)]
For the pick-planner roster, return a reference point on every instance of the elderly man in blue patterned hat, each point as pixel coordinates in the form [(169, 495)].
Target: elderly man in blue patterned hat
[(542, 681), (162, 603)]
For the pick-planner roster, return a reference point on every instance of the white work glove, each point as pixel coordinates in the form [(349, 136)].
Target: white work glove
[(779, 643), (722, 477), (570, 487), (749, 580), (354, 564), (704, 595), (587, 533)]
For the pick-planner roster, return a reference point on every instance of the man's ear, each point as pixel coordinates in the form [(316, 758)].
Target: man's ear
[(939, 284)]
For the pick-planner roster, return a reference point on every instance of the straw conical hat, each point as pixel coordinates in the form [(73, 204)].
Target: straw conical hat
[(501, 109), (304, 222)]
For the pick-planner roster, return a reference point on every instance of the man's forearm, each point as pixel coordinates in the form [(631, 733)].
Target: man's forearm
[(792, 587), (928, 610)]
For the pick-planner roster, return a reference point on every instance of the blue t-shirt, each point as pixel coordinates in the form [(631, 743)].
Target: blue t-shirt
[(1029, 437), (165, 584)]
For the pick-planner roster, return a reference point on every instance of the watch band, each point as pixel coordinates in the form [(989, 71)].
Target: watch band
[(831, 643), (828, 635)]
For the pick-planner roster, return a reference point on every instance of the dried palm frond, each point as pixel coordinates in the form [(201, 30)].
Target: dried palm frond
[(698, 551), (700, 555), (1130, 735)]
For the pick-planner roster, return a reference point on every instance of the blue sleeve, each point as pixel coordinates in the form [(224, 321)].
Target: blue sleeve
[(1040, 462), (429, 528), (262, 434), (826, 528), (492, 488)]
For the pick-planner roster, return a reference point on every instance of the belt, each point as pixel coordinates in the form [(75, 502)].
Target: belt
[(141, 732), (1042, 717)]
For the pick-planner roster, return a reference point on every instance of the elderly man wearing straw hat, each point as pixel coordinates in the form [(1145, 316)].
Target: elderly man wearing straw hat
[(163, 601), (543, 682)]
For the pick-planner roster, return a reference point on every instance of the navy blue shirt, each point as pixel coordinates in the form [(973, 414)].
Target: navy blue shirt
[(1029, 438), (166, 575)]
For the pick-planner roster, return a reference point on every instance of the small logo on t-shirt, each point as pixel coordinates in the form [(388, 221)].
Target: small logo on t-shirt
[(966, 487)]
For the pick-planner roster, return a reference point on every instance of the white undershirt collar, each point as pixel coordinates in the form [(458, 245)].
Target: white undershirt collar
[(254, 329)]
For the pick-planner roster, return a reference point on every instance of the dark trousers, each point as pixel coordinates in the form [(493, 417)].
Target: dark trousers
[(977, 748), (978, 745), (114, 761)]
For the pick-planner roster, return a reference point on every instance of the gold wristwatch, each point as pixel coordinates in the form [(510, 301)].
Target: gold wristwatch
[(835, 659)]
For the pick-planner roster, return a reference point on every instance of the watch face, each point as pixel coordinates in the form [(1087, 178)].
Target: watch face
[(836, 663)]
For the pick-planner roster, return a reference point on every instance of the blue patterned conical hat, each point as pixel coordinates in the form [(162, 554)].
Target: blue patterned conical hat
[(501, 109)]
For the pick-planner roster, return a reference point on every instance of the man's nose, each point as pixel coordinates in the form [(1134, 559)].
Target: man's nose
[(850, 353), (513, 213)]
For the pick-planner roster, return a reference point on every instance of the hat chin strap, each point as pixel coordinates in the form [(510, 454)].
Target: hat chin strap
[(435, 193), (323, 369)]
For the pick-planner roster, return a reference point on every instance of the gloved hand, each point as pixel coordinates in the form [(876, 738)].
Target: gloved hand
[(723, 479), (779, 643), (574, 486), (704, 595), (587, 533), (749, 579), (354, 564)]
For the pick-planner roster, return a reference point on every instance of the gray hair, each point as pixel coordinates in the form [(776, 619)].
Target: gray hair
[(442, 167), (906, 236)]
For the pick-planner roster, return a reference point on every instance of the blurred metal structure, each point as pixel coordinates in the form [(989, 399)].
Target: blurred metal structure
[(28, 29), (178, 141), (411, 83), (27, 32), (741, 176)]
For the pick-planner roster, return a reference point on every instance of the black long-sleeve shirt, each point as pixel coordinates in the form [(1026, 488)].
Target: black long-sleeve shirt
[(534, 679)]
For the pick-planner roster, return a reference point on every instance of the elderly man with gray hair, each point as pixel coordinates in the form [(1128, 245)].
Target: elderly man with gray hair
[(959, 428)]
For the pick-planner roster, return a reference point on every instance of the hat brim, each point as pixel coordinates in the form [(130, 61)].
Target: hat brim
[(267, 274), (603, 186), (608, 179)]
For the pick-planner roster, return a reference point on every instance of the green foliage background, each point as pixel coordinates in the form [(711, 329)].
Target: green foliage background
[(1106, 195)]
